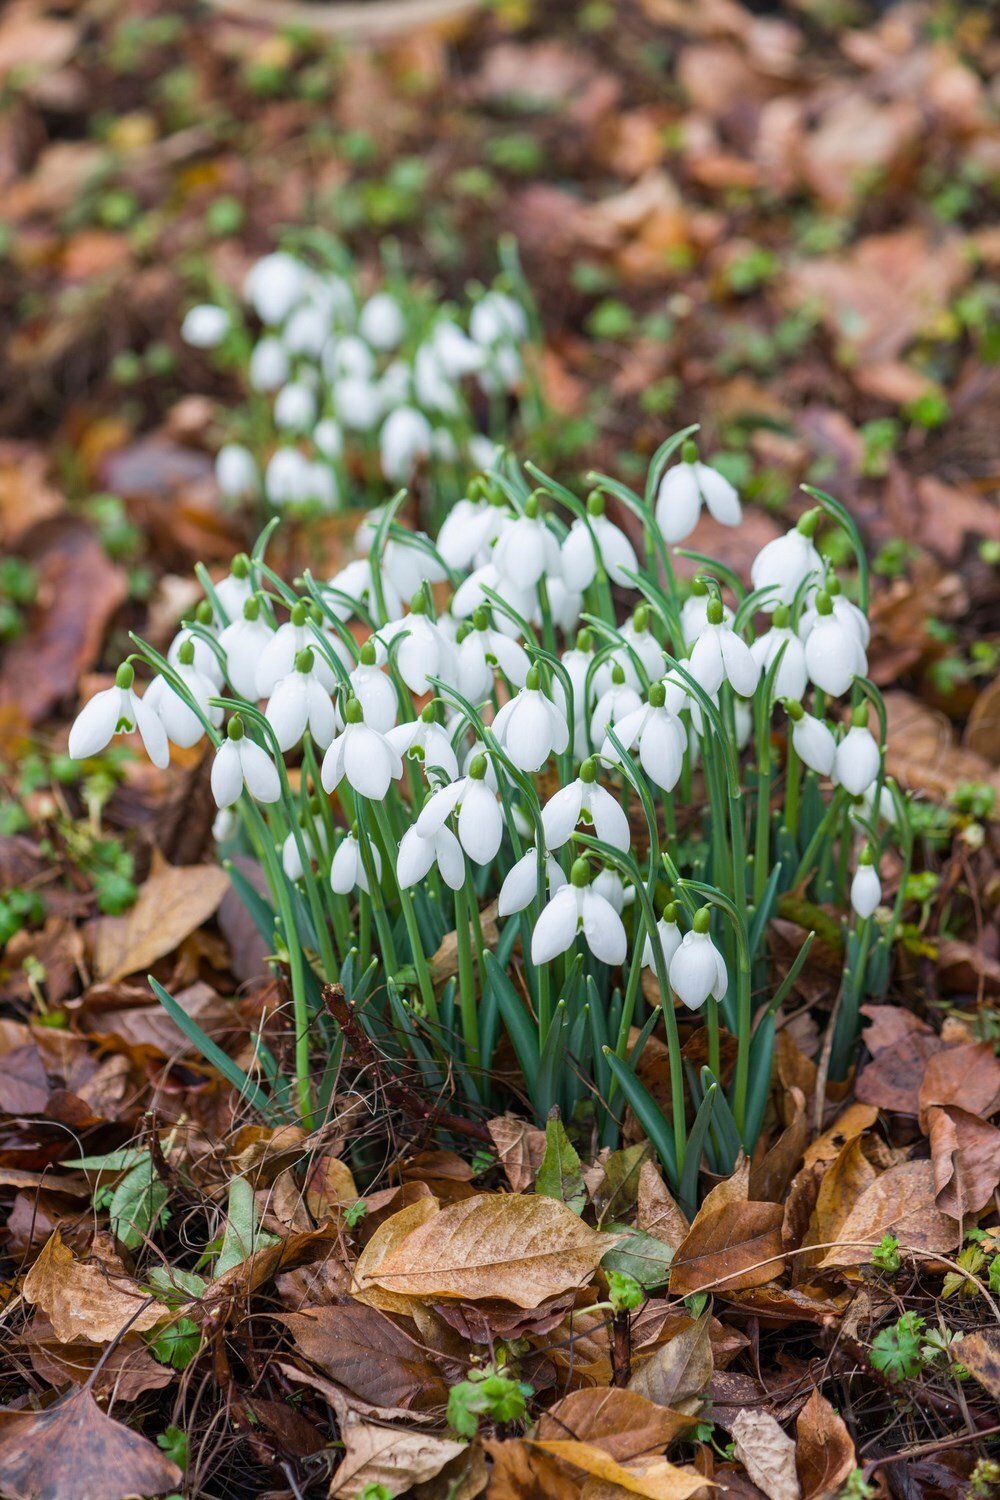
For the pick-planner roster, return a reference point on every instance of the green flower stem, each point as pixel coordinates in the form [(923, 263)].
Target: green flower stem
[(793, 783), (424, 980), (845, 1034), (714, 1048), (821, 836), (390, 961), (467, 997)]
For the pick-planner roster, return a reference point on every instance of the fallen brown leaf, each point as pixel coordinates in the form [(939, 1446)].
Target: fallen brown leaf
[(967, 1076), (362, 1350), (523, 1471), (88, 1300), (767, 1453), (72, 1448), (172, 903), (965, 1152), (659, 1480), (395, 1457), (520, 1148), (824, 1450), (733, 1243), (900, 1202), (981, 1356), (623, 1423), (677, 1372), (657, 1213)]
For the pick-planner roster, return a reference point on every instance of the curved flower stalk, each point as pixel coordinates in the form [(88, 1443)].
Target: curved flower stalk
[(443, 756)]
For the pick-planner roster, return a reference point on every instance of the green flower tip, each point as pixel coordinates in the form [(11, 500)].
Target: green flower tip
[(241, 566), (533, 679), (867, 855), (428, 714), (698, 586), (703, 919), (689, 452), (580, 873), (588, 770), (315, 807), (235, 729), (305, 659), (833, 586), (670, 913), (640, 619), (781, 617), (531, 506), (418, 604), (463, 632), (794, 710), (617, 674), (595, 503), (185, 654), (251, 609), (353, 712), (368, 654), (478, 490), (477, 768), (714, 612), (585, 640), (300, 614), (315, 613), (859, 716), (481, 617), (203, 614), (125, 676), (807, 523), (657, 695), (824, 604)]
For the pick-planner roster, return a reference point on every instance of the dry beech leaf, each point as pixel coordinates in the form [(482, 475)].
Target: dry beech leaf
[(824, 1449), (767, 1454), (623, 1423), (850, 1123), (72, 1448), (520, 1148), (87, 1300), (965, 1152), (172, 903), (396, 1457), (678, 1371), (733, 1243), (657, 1213), (386, 1239), (968, 1076), (522, 1471), (516, 1249), (981, 1356), (849, 1176), (366, 1353), (899, 1202), (659, 1481)]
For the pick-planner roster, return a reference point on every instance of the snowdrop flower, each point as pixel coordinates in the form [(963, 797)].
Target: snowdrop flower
[(328, 438), (417, 855), (404, 440), (358, 403), (576, 662), (667, 937), (642, 643), (609, 884), (269, 366), (205, 326), (527, 550), (424, 650), (183, 725), (395, 387), (288, 477), (786, 563), (426, 741), (659, 735), (382, 322), (812, 740), (530, 727), (615, 704), (347, 870), (866, 888), (682, 490), (205, 658), (575, 908), (458, 354), (118, 710), (374, 691), (720, 655), (470, 596), (587, 801), (694, 611), (275, 285), (244, 642), (238, 763), (858, 758), (481, 652), (469, 529), (348, 356), (277, 660), (233, 591), (406, 564), (295, 407), (480, 825), (314, 841), (483, 451), (434, 390), (844, 611), (354, 585), (497, 318), (698, 969), (236, 472), (834, 654), (300, 702), (791, 678), (305, 333), (602, 541), (520, 886), (565, 606), (363, 755)]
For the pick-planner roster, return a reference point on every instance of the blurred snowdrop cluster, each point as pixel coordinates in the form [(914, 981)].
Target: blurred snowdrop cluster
[(349, 385)]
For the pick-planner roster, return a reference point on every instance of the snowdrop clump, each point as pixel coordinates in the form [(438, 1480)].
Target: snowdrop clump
[(530, 710), (346, 383)]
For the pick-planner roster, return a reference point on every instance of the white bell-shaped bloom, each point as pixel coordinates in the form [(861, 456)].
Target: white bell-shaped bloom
[(362, 755), (300, 702), (407, 565), (314, 842), (470, 596), (479, 826), (642, 643), (784, 564), (233, 591), (610, 885), (179, 717), (585, 800), (565, 607), (682, 491), (424, 651), (275, 285), (468, 532), (358, 403), (425, 740), (526, 550), (277, 660), (205, 326), (323, 488), (864, 811), (866, 888), (812, 740), (205, 658), (602, 540), (328, 437), (239, 762), (382, 322), (118, 710), (405, 439), (619, 660), (306, 330), (791, 677), (354, 586), (236, 472), (659, 736), (434, 388), (614, 704), (459, 355), (374, 691), (347, 869), (694, 612), (698, 969), (845, 612), (348, 357), (483, 453), (520, 885), (295, 407), (720, 655), (667, 938), (497, 318), (395, 386), (482, 652), (530, 727), (858, 758), (417, 855), (834, 654), (576, 662), (577, 907), (269, 365), (288, 478)]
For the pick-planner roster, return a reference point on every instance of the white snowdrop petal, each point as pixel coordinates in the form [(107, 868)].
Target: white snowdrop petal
[(450, 859), (610, 822), (440, 806), (603, 928), (661, 750), (416, 855), (678, 504), (258, 771), (520, 886), (719, 495), (152, 733), (95, 724), (866, 890), (814, 744), (556, 927), (227, 774), (561, 814), (742, 672), (332, 769), (579, 563), (480, 825), (368, 762)]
